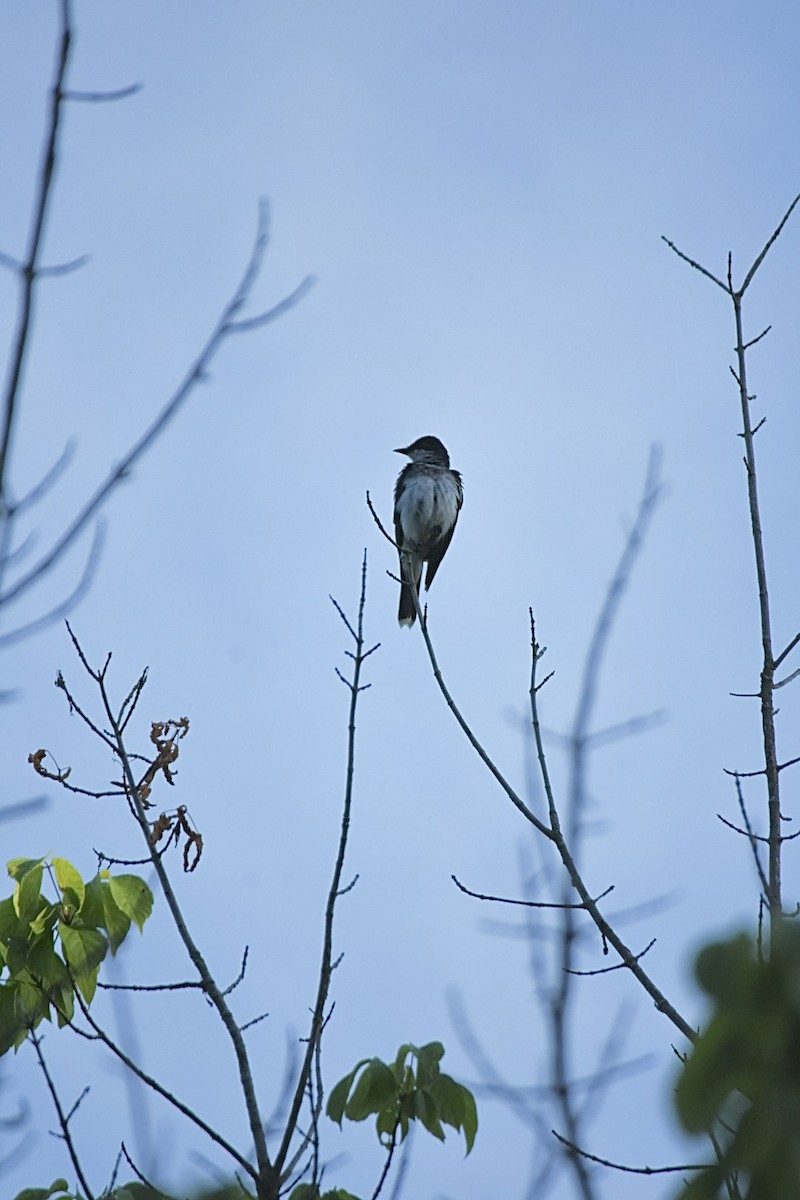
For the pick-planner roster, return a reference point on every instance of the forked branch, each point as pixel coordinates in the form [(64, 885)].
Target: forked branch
[(770, 661), (552, 830)]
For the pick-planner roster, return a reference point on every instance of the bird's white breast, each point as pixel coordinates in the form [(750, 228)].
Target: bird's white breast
[(428, 506)]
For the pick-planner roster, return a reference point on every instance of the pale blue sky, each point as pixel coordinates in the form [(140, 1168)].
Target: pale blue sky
[(479, 190)]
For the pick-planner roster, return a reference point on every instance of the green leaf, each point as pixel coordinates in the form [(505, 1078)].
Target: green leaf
[(45, 919), (744, 1068), (430, 1055), (308, 1191), (69, 879), (723, 967), (30, 1002), (18, 868), (401, 1056), (58, 1185), (13, 1031), (62, 1000), (92, 911), (375, 1091), (425, 1109), (28, 898), (84, 949), (101, 911), (116, 923), (338, 1097), (45, 964), (48, 969), (133, 896), (456, 1106), (10, 923), (397, 1096)]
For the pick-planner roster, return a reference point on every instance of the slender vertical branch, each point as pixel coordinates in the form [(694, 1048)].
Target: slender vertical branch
[(29, 271), (228, 324), (579, 741), (769, 662), (607, 932), (327, 964), (267, 1176), (767, 688), (28, 268), (392, 1146), (63, 1118)]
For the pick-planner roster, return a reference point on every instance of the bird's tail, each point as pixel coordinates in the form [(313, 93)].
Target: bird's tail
[(407, 612)]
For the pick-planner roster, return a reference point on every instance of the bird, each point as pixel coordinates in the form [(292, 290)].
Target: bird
[(427, 500)]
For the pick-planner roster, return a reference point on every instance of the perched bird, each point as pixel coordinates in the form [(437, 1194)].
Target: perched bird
[(427, 500)]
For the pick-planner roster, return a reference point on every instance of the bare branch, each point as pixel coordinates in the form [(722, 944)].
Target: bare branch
[(65, 268), (51, 476), (68, 603), (380, 525), (515, 799), (757, 338), (607, 1162), (226, 324), (63, 1118), (524, 903), (650, 496), (283, 1164), (100, 1034), (763, 253), (103, 97), (43, 196), (616, 966), (136, 795), (787, 651), (191, 985), (696, 265)]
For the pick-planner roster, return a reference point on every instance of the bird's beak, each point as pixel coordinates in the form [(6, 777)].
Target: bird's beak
[(401, 450)]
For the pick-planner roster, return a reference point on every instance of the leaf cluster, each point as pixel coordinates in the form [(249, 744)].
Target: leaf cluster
[(412, 1088), (60, 1190), (742, 1078), (50, 948)]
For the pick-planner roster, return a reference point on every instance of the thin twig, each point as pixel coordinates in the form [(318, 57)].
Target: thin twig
[(620, 966), (787, 651), (617, 1166), (524, 903), (515, 799), (27, 272), (265, 1175), (122, 93), (696, 265), (650, 496), (769, 661), (59, 611), (284, 1166), (226, 325), (101, 1035), (762, 255), (63, 1118), (390, 1149)]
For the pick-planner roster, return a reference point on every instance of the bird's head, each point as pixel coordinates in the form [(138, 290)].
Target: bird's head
[(426, 450)]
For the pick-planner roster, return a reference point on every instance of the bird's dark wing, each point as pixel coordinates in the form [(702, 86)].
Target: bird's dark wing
[(398, 489), (440, 549), (437, 554)]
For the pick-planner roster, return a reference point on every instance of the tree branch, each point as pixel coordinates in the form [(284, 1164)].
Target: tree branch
[(283, 1165)]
